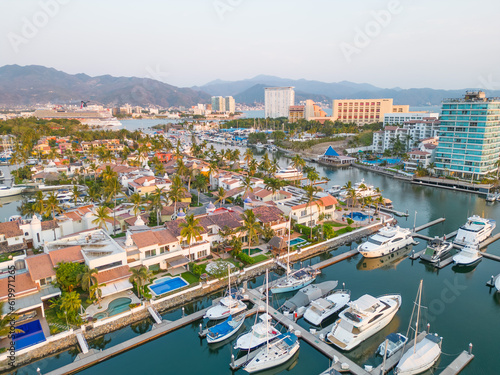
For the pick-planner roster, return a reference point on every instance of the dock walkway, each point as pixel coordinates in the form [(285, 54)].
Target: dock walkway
[(458, 364), (335, 259)]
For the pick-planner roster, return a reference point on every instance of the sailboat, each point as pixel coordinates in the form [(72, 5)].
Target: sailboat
[(297, 279), (228, 327), (275, 353), (424, 354), (226, 306)]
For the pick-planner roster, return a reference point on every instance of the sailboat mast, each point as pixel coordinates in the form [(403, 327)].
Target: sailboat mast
[(229, 285), (288, 249), (418, 315), (267, 311)]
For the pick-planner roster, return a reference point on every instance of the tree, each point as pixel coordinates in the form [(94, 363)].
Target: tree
[(140, 276), (76, 194), (191, 230), (52, 205), (67, 275), (70, 305), (137, 203), (200, 183), (87, 278), (267, 233), (95, 292), (312, 176), (222, 195), (353, 196), (101, 217), (251, 226), (378, 202), (5, 322), (177, 191), (236, 244), (39, 204), (156, 200), (310, 195), (274, 184)]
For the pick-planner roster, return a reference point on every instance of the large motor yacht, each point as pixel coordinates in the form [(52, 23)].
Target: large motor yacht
[(387, 240), (362, 319), (475, 230)]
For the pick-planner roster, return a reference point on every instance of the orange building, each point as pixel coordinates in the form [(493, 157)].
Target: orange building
[(365, 111)]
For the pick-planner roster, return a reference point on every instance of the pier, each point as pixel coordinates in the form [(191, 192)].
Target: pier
[(335, 259), (458, 364)]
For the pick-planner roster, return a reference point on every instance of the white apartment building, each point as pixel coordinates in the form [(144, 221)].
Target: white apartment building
[(230, 104), (278, 101), (402, 117), (384, 139)]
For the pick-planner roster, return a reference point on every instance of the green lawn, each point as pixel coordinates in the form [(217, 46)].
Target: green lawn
[(342, 231), (189, 277), (260, 258), (119, 235), (334, 224)]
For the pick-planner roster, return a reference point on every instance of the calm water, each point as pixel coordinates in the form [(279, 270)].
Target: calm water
[(460, 307)]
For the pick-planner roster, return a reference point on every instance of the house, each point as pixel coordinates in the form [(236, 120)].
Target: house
[(309, 213)]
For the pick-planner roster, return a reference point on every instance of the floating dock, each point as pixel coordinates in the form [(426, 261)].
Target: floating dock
[(335, 259), (458, 364)]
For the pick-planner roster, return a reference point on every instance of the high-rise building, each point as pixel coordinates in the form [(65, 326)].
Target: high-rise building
[(365, 111), (230, 105), (278, 101), (218, 104), (469, 136)]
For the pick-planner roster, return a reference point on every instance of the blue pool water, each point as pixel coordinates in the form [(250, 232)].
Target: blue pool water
[(115, 307), (357, 216), (167, 284), (388, 160), (296, 241), (32, 334)]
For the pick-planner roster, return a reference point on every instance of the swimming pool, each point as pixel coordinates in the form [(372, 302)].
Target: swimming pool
[(167, 284), (115, 307), (379, 161), (296, 241), (357, 216), (32, 334)]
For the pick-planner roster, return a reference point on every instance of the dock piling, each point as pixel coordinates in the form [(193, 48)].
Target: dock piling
[(470, 349), (201, 328)]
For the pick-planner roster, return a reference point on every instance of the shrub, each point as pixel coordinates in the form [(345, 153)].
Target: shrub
[(349, 229), (245, 258), (350, 221)]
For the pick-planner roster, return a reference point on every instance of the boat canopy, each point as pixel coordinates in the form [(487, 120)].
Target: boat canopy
[(288, 338), (222, 328), (365, 302), (393, 337)]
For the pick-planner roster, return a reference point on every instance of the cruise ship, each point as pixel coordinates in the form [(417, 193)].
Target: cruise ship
[(387, 240), (97, 118), (475, 230)]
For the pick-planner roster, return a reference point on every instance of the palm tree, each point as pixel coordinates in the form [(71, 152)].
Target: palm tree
[(248, 157), (348, 185), (108, 173), (222, 195), (5, 322), (39, 205), (191, 230), (252, 166), (70, 304), (312, 176), (95, 292), (112, 187), (101, 216), (177, 191), (298, 162), (52, 205), (137, 203), (274, 184), (379, 201), (156, 200), (310, 195), (247, 184), (140, 276), (353, 197), (200, 183), (87, 278), (76, 194), (251, 226)]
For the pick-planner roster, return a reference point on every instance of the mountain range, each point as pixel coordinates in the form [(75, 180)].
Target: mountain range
[(34, 84)]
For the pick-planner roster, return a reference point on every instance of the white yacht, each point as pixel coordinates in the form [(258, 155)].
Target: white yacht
[(227, 306), (295, 280), (259, 146), (275, 353), (387, 240), (322, 308), (335, 190), (298, 303), (468, 256), (424, 354), (497, 284), (7, 191), (436, 250), (476, 229), (258, 335), (491, 197), (288, 172), (226, 329), (362, 190), (395, 341), (362, 319)]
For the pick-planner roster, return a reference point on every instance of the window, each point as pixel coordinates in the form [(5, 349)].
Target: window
[(303, 213), (164, 249), (202, 254), (150, 253)]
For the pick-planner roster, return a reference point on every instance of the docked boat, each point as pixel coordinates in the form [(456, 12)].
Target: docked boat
[(362, 190), (227, 305), (297, 304), (7, 191), (491, 197), (475, 230), (259, 146), (468, 256), (258, 335), (424, 354), (335, 190), (387, 240), (295, 280), (389, 261), (275, 353), (362, 319), (322, 308), (395, 341), (497, 284), (226, 329), (436, 250), (288, 172)]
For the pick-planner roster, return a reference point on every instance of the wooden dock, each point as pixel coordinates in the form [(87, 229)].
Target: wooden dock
[(458, 364), (335, 259), (429, 224)]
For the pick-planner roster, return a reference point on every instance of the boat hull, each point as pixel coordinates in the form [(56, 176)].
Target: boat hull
[(386, 250), (10, 192), (250, 368), (222, 312), (219, 338), (291, 288)]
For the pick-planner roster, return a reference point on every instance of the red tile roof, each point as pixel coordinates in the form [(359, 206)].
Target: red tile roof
[(40, 266), (113, 274)]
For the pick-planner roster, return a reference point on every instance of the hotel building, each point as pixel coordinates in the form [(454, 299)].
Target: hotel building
[(365, 111), (469, 137), (278, 101)]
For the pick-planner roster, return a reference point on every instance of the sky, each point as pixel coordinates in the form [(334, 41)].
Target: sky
[(392, 43)]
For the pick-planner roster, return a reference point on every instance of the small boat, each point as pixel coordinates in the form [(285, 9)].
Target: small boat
[(322, 308), (275, 353), (288, 172), (387, 240), (468, 256), (226, 329), (424, 354), (7, 191), (395, 341), (295, 280), (335, 190), (362, 319), (475, 230), (491, 197), (259, 146), (436, 250), (227, 305), (258, 335), (307, 294), (497, 284)]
